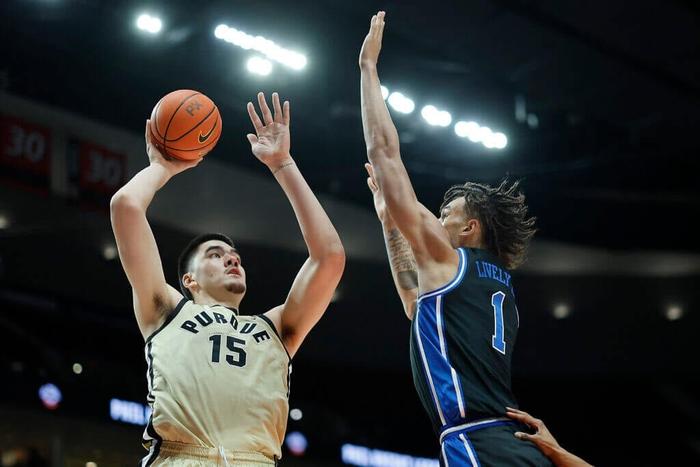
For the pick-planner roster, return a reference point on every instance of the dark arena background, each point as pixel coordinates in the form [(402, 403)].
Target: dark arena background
[(593, 104)]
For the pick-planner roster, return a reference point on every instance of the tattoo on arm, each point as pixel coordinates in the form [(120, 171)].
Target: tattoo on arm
[(403, 264)]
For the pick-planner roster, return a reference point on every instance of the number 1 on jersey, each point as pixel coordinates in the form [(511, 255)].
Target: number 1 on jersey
[(498, 340)]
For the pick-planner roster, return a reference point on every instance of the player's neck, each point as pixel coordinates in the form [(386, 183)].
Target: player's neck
[(473, 243), (230, 301)]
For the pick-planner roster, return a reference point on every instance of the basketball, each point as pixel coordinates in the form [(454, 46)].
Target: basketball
[(185, 125)]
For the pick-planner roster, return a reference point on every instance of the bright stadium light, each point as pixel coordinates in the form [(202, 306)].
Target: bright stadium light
[(220, 31), (468, 130), (483, 134), (500, 140), (268, 48), (674, 312), (489, 140), (561, 311), (385, 92), (401, 103), (259, 66), (493, 140), (148, 23), (435, 116), (109, 251), (461, 129)]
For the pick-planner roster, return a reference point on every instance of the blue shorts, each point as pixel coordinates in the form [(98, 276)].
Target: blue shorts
[(489, 443)]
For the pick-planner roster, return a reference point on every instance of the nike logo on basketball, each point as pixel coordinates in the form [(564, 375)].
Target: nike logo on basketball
[(203, 138)]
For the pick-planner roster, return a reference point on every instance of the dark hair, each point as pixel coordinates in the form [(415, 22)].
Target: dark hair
[(183, 262), (502, 212)]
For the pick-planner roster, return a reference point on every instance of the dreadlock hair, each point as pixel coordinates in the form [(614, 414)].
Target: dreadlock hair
[(183, 262), (502, 212)]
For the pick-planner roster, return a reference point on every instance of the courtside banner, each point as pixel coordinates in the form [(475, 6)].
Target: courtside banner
[(94, 173), (25, 153)]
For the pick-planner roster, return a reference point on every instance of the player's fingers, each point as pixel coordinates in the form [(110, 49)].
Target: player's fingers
[(267, 115), (525, 418), (254, 117), (277, 108), (371, 186), (370, 172), (518, 411), (286, 113), (526, 436), (252, 139), (516, 416)]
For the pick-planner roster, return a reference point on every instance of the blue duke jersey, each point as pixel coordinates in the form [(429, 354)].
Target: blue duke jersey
[(462, 340)]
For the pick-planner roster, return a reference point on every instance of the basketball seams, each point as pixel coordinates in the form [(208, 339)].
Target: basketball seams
[(172, 117), (212, 141), (197, 125), (217, 119)]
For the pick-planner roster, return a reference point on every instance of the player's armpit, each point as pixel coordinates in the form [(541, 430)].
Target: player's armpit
[(428, 239), (308, 299), (140, 259)]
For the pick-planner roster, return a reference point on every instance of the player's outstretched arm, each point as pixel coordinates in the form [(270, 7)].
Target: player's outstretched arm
[(404, 270), (422, 230), (138, 251), (544, 440), (317, 279)]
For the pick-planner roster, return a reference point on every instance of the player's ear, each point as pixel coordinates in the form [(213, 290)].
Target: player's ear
[(189, 281), (471, 228)]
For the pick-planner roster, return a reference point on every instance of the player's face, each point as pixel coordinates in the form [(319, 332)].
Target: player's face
[(219, 266), (453, 218)]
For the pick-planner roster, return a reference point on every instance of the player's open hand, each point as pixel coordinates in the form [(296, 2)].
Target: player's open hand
[(378, 197), (542, 438), (173, 166), (270, 143), (369, 55)]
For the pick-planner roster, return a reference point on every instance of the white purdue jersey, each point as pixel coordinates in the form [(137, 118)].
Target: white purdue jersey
[(217, 379)]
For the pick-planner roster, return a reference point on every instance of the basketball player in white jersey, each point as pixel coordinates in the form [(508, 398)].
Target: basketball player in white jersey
[(219, 381)]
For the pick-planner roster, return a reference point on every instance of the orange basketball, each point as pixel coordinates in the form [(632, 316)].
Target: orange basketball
[(185, 124)]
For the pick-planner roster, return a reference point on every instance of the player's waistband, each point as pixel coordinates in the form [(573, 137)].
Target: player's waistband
[(225, 456), (473, 426)]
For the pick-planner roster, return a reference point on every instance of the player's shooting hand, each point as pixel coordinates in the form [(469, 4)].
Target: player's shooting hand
[(369, 54), (542, 438), (379, 203), (270, 143), (172, 166)]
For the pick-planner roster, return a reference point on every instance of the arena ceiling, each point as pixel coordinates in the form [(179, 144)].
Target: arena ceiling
[(609, 170)]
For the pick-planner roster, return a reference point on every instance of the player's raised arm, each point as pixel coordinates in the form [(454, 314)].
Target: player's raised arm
[(138, 251), (404, 270), (317, 279), (421, 229)]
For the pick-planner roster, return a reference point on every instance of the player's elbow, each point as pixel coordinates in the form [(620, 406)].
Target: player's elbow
[(334, 257), (382, 148), (122, 205), (410, 309)]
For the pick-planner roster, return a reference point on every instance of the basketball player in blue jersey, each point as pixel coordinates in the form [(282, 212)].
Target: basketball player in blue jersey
[(218, 380), (404, 272), (453, 275)]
